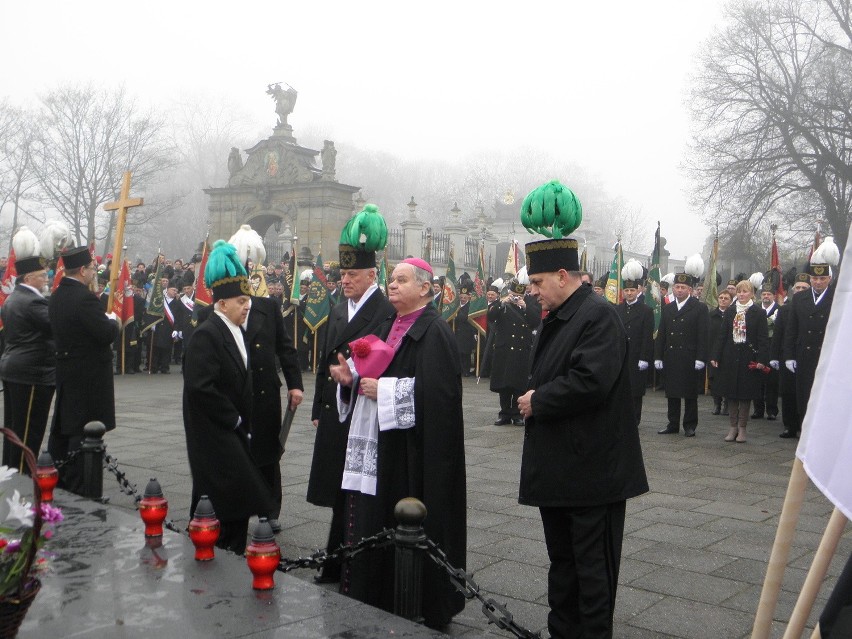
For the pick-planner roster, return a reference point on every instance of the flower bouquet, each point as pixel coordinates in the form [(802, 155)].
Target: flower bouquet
[(24, 528)]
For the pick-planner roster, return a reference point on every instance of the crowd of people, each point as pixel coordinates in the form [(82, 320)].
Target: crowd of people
[(568, 366)]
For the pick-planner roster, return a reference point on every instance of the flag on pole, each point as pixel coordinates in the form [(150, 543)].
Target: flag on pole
[(123, 303), (814, 247), (614, 284), (257, 282), (775, 267), (825, 447), (203, 295), (156, 303), (382, 275), (317, 306), (584, 258), (652, 284), (58, 274), (512, 265), (478, 305), (292, 281), (711, 291), (450, 298), (8, 283)]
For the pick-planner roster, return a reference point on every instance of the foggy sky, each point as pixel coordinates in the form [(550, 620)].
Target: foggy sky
[(603, 86)]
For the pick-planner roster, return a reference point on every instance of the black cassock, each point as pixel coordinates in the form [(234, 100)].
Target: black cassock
[(427, 462)]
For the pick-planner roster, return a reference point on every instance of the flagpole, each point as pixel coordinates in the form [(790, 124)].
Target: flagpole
[(314, 360), (122, 348)]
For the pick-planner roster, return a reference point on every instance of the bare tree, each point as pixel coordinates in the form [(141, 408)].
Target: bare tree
[(87, 140), (772, 101), (16, 167)]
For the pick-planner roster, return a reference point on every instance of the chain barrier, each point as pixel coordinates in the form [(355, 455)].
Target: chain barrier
[(73, 454), (342, 554), (496, 613)]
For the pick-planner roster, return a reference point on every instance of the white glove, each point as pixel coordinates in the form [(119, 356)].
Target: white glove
[(643, 365), (774, 364), (112, 316), (658, 364), (174, 334), (180, 334), (699, 365), (791, 365)]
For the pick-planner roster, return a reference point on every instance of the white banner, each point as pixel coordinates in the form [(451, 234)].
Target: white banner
[(825, 448)]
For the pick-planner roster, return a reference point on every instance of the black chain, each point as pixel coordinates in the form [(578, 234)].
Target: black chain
[(111, 464), (496, 613), (74, 453), (341, 554)]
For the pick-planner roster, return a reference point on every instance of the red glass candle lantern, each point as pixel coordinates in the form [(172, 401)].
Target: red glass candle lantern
[(153, 509), (46, 476), (263, 556), (204, 529)]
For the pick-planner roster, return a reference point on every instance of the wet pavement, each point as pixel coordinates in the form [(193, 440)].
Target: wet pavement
[(693, 562)]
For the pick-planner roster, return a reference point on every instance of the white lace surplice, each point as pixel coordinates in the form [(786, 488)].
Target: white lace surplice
[(393, 410)]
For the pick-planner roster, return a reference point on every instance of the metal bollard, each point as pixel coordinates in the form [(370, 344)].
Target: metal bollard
[(93, 460), (408, 572)]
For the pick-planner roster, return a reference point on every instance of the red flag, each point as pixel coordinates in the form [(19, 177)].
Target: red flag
[(814, 246), (58, 274), (8, 283), (123, 303), (203, 295), (775, 265)]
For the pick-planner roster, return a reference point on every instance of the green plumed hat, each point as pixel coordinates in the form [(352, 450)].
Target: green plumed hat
[(364, 234), (554, 211), (224, 274)]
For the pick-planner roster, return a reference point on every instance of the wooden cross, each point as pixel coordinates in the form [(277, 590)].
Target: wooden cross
[(124, 202)]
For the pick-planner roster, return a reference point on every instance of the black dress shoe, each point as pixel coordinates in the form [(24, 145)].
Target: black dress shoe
[(689, 433), (772, 418), (756, 416), (716, 411), (668, 431), (787, 434), (502, 421), (518, 421), (327, 578)]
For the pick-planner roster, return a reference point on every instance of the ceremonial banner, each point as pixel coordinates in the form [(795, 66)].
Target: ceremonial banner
[(512, 265), (478, 305), (317, 307), (614, 284), (203, 295), (382, 274), (825, 448), (58, 274), (584, 259), (122, 302), (8, 283), (257, 282), (450, 297), (156, 302), (711, 291), (652, 284), (775, 267), (292, 282)]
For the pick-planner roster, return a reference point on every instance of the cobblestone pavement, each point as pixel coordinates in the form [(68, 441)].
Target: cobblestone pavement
[(695, 550)]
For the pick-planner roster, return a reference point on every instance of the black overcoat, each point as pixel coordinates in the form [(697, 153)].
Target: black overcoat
[(714, 325), (776, 349), (803, 339), (510, 358), (427, 462), (638, 320), (581, 444), (464, 330), (681, 340), (217, 393), (30, 353), (267, 338), (84, 379), (330, 442), (736, 380)]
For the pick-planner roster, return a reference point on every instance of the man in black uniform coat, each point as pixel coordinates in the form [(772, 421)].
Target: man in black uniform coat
[(581, 459), (768, 404), (514, 322), (638, 320), (362, 313), (464, 330), (217, 409), (681, 353), (84, 380), (789, 410), (805, 332), (28, 363)]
